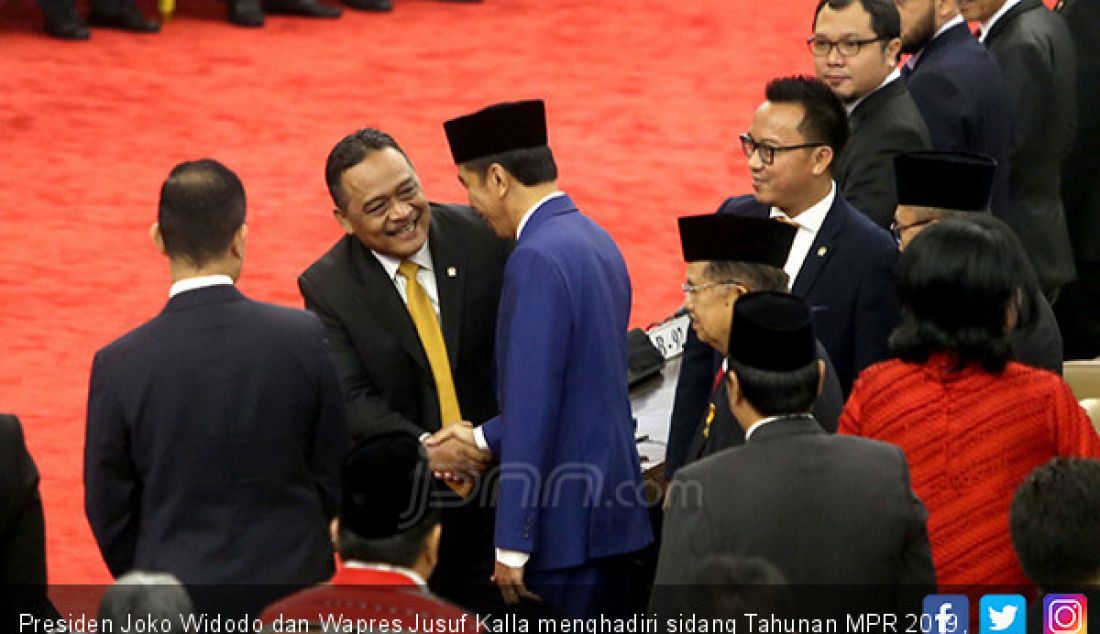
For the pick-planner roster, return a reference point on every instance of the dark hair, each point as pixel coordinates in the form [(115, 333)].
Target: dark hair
[(349, 152), (155, 595), (956, 283), (777, 393), (1055, 521), (824, 121), (201, 209), (529, 166), (758, 277), (401, 549), (885, 19)]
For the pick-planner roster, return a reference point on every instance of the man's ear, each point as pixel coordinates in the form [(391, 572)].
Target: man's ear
[(240, 240), (893, 52), (342, 218), (823, 158), (820, 376), (158, 238), (498, 180)]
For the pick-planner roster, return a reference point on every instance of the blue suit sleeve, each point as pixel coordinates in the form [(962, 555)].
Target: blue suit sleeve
[(535, 316)]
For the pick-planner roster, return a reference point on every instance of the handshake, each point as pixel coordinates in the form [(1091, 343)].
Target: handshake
[(454, 455)]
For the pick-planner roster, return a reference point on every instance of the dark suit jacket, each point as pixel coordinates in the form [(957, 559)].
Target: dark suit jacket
[(848, 281), (824, 509), (387, 380), (960, 92), (725, 431), (883, 125), (22, 532), (386, 376), (214, 441), (1035, 51), (1080, 186)]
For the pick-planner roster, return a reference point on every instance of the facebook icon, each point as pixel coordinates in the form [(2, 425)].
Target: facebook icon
[(945, 614)]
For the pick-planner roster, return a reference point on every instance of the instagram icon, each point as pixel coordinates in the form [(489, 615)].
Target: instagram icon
[(1065, 614)]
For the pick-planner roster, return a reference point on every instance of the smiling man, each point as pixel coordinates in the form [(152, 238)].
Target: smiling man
[(855, 49), (408, 299)]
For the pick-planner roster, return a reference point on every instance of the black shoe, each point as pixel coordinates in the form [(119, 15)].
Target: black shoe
[(66, 24), (246, 13), (370, 5), (129, 19), (308, 8)]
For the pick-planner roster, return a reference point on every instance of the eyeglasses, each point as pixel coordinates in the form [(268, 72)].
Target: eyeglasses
[(691, 289), (767, 150), (821, 47), (897, 229)]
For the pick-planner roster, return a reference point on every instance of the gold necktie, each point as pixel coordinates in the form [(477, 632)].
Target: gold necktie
[(431, 338)]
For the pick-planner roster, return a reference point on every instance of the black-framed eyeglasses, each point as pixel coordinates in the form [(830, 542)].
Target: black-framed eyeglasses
[(821, 47), (897, 229), (767, 150)]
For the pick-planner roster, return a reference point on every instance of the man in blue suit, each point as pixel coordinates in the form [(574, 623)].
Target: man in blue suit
[(957, 86), (216, 430), (570, 509), (841, 263)]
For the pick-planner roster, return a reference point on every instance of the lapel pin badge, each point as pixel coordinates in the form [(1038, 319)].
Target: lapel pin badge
[(452, 271), (821, 251)]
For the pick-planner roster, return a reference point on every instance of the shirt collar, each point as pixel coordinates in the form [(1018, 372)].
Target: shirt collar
[(193, 283), (531, 211), (912, 61), (415, 578), (423, 257), (763, 421), (811, 219), (987, 26), (850, 107)]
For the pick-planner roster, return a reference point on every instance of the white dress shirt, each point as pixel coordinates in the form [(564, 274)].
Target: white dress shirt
[(764, 421), (809, 223), (425, 276), (194, 283)]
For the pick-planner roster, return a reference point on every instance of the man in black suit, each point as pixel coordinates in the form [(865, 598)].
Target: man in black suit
[(824, 509), (933, 186), (215, 430), (1035, 52), (727, 257), (957, 86), (855, 49), (1076, 307), (391, 380), (22, 530), (841, 263)]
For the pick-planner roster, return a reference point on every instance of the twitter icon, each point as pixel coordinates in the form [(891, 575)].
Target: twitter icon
[(1003, 614)]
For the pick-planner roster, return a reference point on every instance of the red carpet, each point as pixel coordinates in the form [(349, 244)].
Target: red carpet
[(645, 100)]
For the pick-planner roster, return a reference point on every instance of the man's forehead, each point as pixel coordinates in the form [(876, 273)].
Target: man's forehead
[(852, 19), (774, 119), (380, 172)]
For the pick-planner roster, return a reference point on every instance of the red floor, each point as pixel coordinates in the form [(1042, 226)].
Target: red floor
[(645, 100)]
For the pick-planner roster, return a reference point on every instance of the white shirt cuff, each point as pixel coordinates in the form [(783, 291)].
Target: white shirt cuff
[(423, 437), (479, 439), (512, 558)]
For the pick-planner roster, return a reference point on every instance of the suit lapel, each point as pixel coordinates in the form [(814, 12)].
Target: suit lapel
[(821, 250), (449, 261), (379, 297)]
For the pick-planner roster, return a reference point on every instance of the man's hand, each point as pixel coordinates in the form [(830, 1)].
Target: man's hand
[(454, 455), (510, 581)]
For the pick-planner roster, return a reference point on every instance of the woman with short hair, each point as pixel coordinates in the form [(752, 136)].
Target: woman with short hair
[(972, 422)]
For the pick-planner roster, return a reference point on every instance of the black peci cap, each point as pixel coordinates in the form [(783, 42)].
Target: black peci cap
[(499, 128)]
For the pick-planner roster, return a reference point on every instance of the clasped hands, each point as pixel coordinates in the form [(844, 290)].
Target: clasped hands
[(454, 455)]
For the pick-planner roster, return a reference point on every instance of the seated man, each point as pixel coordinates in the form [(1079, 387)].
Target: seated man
[(727, 257), (808, 507), (933, 186), (387, 535)]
